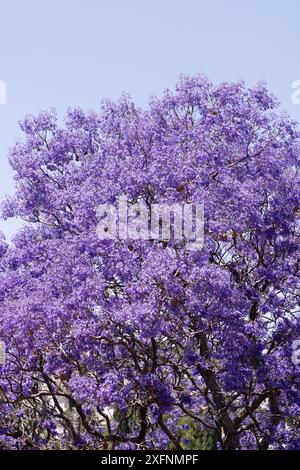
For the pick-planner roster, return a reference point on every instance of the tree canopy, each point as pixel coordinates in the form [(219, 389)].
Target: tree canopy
[(144, 339)]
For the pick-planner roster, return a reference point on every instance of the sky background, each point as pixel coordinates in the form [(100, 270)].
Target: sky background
[(65, 53)]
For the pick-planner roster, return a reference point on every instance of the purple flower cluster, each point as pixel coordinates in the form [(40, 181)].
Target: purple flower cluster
[(111, 343)]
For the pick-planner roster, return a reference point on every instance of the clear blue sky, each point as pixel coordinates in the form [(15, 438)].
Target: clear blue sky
[(65, 53)]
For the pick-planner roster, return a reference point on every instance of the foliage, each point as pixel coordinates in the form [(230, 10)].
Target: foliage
[(145, 326)]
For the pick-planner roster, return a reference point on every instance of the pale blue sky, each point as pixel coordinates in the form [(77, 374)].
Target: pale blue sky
[(65, 53)]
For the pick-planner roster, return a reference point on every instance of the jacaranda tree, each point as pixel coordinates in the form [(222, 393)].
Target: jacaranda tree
[(138, 344)]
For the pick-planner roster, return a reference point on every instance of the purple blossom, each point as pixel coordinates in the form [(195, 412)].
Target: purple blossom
[(112, 342)]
